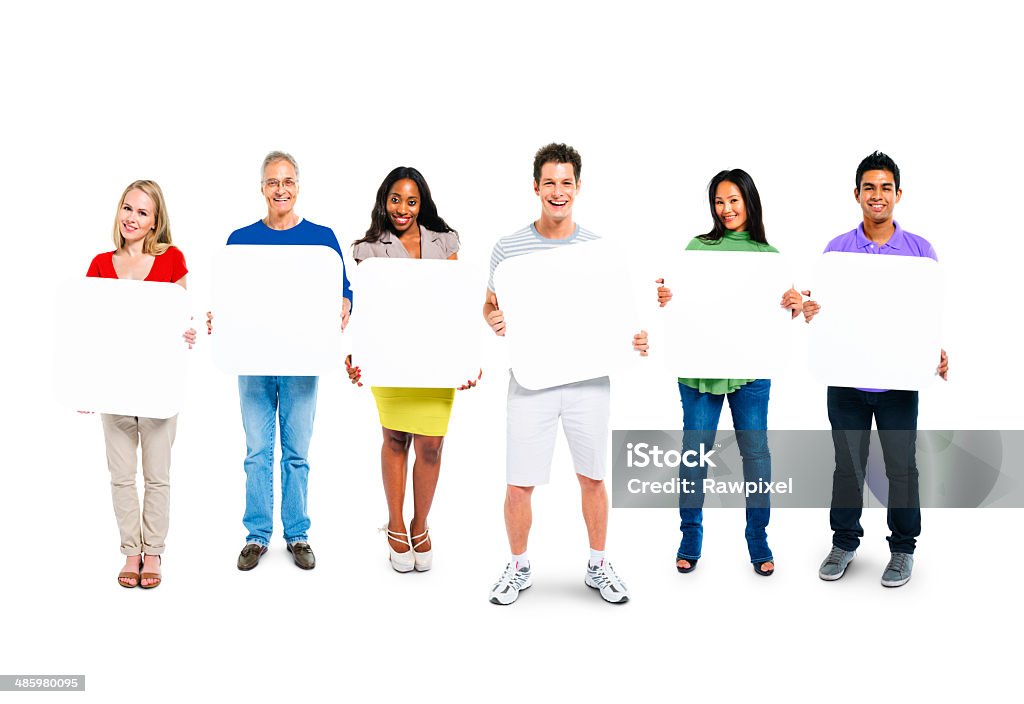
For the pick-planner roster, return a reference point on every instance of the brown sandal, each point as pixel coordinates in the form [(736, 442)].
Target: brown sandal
[(131, 575), (151, 575)]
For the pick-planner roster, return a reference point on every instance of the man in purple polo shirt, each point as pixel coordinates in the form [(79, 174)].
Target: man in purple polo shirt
[(850, 411)]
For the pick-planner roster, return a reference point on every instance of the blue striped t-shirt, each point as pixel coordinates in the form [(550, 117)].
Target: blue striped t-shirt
[(527, 241)]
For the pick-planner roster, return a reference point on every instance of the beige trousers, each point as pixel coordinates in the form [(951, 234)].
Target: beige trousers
[(122, 434)]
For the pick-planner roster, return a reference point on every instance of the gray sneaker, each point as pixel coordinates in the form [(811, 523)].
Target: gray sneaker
[(897, 572), (835, 564)]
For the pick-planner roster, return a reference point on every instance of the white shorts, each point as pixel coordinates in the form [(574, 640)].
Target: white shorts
[(533, 424)]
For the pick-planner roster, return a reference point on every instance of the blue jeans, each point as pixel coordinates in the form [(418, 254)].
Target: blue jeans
[(701, 411), (261, 397), (895, 413)]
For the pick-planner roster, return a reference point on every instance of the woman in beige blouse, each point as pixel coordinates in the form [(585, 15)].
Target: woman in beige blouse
[(405, 224)]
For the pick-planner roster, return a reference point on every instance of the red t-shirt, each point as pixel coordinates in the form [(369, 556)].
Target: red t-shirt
[(168, 267)]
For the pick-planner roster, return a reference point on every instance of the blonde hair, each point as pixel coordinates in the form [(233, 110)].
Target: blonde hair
[(159, 238)]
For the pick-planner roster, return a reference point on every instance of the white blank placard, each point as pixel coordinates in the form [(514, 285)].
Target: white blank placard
[(119, 346), (418, 323), (568, 313), (880, 321), (725, 320), (277, 310)]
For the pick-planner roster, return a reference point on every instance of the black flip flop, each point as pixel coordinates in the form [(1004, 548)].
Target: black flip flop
[(764, 573)]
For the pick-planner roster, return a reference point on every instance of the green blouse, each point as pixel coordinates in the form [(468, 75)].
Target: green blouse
[(731, 242)]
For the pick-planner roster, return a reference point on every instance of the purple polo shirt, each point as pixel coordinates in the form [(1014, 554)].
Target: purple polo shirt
[(902, 243)]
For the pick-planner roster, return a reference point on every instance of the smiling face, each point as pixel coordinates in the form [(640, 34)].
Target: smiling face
[(403, 205), (280, 188), (729, 207), (137, 217), (877, 195), (557, 190)]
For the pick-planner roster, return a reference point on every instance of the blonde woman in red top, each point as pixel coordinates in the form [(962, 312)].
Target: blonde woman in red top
[(142, 237)]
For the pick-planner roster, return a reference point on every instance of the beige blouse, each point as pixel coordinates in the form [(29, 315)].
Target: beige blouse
[(433, 245)]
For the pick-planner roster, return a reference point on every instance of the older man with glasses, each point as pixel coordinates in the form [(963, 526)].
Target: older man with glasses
[(289, 400)]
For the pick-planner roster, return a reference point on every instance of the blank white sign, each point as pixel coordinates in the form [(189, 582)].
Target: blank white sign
[(568, 313), (119, 346), (880, 321), (725, 320), (277, 310), (417, 324)]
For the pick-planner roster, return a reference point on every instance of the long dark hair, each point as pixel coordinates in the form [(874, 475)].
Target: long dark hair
[(751, 202), (428, 217)]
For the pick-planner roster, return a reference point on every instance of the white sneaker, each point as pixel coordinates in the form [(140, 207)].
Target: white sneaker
[(603, 578), (506, 589)]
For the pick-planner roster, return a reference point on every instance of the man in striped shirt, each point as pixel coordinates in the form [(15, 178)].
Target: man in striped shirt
[(533, 414)]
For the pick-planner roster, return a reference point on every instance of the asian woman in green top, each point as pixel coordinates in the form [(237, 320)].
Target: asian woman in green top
[(738, 227)]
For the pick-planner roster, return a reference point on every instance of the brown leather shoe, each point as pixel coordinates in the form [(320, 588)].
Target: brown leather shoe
[(250, 556), (303, 555)]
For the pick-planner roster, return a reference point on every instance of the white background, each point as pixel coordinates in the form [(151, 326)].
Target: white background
[(657, 98)]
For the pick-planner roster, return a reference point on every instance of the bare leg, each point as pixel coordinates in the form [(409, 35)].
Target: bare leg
[(425, 471), (394, 460), (518, 517), (595, 510)]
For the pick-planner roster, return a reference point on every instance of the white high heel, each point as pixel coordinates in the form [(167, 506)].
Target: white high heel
[(423, 560), (400, 561)]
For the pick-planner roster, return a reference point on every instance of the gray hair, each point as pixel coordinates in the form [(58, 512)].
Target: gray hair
[(278, 156)]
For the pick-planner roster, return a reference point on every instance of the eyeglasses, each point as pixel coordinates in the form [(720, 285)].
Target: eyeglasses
[(273, 183)]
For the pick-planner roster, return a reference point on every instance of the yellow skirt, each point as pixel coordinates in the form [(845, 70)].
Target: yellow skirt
[(419, 411)]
